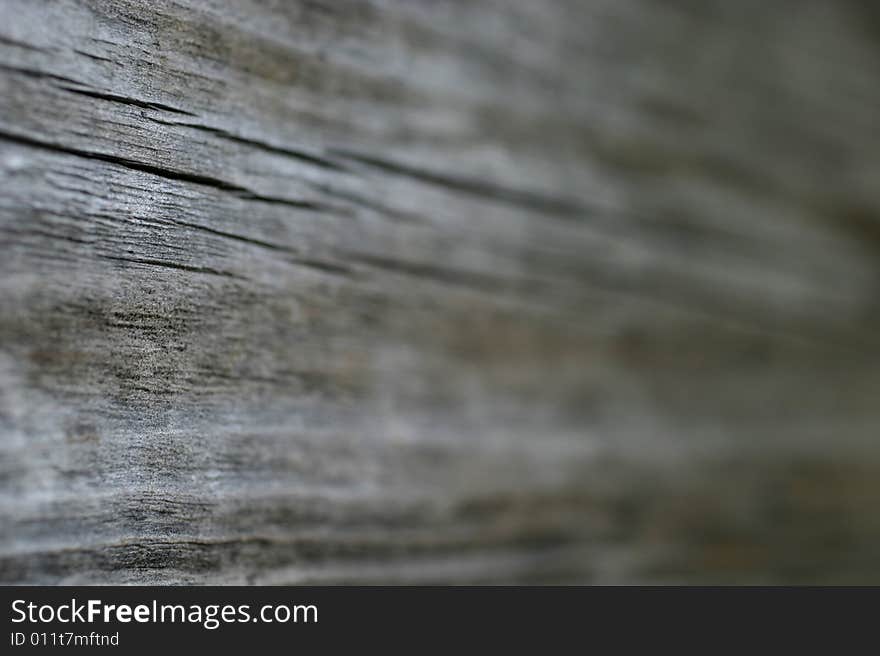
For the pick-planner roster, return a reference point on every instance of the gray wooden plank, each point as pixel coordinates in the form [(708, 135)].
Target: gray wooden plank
[(438, 291)]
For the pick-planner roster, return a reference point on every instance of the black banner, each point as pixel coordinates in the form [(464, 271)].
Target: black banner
[(128, 619)]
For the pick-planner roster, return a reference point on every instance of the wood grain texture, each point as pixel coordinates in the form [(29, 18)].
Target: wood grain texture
[(393, 291)]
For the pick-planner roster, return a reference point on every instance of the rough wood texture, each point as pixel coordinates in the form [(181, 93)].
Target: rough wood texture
[(399, 291)]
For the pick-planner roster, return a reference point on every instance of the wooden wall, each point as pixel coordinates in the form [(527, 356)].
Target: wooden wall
[(569, 291)]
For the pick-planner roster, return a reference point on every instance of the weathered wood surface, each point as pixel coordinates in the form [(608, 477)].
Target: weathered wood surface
[(559, 291)]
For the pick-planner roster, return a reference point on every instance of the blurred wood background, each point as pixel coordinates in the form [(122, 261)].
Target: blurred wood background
[(570, 291)]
